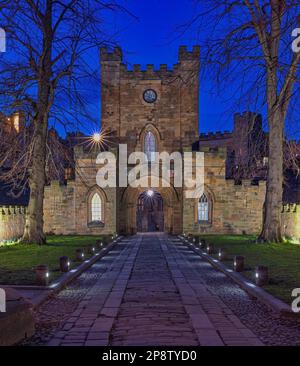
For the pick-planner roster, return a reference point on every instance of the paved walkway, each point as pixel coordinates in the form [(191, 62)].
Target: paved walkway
[(152, 290)]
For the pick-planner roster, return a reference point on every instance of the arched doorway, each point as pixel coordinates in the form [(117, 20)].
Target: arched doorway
[(172, 209), (150, 212)]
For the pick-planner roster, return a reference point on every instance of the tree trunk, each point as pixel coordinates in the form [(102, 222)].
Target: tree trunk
[(33, 232), (271, 231)]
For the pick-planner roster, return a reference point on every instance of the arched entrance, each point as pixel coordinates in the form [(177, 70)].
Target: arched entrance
[(150, 212), (171, 207)]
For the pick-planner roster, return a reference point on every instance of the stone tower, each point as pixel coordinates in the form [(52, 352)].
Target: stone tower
[(174, 113), (162, 102)]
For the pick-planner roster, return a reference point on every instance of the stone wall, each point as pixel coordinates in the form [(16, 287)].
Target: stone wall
[(59, 208), (235, 209), (67, 207), (173, 119), (291, 221), (12, 220)]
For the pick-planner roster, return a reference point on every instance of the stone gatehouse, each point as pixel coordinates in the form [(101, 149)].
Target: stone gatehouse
[(152, 110)]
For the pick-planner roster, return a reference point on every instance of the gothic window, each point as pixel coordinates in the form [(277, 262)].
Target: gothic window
[(150, 146), (203, 209), (96, 208)]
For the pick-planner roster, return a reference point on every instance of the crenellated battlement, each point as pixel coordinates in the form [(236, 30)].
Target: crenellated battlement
[(148, 72), (57, 185), (246, 183), (91, 153), (12, 210), (291, 208), (249, 118), (215, 135), (137, 71), (186, 55), (12, 222), (114, 55), (246, 114), (219, 150)]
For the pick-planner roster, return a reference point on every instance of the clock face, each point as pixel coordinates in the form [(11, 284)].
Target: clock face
[(150, 96)]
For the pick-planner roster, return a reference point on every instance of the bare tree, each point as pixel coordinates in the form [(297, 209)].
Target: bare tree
[(249, 46), (42, 74)]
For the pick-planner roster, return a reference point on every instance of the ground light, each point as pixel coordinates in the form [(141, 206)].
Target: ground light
[(92, 250), (196, 240), (64, 264), (238, 263), (261, 275), (79, 255), (210, 248), (222, 254), (202, 243), (42, 275)]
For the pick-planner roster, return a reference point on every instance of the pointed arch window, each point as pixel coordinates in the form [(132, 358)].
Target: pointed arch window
[(96, 208), (150, 146), (203, 209)]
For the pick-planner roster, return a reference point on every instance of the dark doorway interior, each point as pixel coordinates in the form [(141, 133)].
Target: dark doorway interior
[(150, 212)]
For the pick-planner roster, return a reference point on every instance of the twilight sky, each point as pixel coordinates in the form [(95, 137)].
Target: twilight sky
[(152, 37), (150, 32)]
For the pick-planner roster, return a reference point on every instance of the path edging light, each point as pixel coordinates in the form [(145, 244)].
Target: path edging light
[(261, 275), (64, 264), (239, 263), (202, 243), (79, 255), (222, 254), (42, 275), (210, 248)]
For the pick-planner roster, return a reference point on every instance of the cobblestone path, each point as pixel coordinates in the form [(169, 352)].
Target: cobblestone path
[(153, 290)]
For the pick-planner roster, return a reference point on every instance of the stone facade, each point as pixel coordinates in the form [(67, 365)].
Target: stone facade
[(291, 221), (174, 115), (234, 204), (233, 208), (12, 221), (173, 120), (66, 207)]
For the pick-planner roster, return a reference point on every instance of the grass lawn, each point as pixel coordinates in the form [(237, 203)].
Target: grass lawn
[(17, 261), (283, 261)]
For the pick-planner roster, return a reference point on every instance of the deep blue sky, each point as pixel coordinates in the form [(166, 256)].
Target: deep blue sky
[(152, 37)]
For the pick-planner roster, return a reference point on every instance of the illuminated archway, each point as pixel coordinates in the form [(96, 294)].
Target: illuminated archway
[(150, 212)]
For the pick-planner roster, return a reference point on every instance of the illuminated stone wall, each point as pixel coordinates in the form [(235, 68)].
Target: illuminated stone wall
[(67, 207), (233, 209), (12, 220), (291, 221)]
